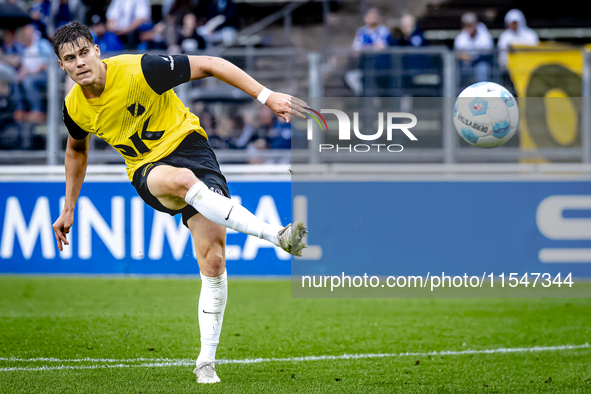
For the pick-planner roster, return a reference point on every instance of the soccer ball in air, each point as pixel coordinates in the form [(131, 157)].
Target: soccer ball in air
[(486, 115)]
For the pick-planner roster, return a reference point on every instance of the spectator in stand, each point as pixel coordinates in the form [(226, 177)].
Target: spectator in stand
[(41, 15), (61, 12), (224, 132), (151, 37), (280, 135), (408, 34), (124, 18), (266, 127), (249, 129), (256, 151), (222, 22), (373, 36), (177, 9), (257, 125), (517, 33), (473, 45), (189, 41), (174, 12), (106, 40), (32, 76), (206, 119), (266, 122), (49, 15), (11, 52), (94, 7), (266, 132)]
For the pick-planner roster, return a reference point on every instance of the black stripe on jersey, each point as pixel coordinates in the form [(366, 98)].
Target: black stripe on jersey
[(165, 72), (75, 131)]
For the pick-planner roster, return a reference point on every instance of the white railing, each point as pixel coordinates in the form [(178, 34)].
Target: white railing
[(328, 172)]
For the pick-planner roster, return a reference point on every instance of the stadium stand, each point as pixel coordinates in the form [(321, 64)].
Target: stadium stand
[(273, 41)]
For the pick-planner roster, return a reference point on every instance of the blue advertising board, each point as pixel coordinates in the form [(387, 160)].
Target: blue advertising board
[(412, 228), (390, 228), (115, 232)]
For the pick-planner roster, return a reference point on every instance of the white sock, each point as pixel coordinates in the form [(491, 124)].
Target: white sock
[(222, 210), (212, 303)]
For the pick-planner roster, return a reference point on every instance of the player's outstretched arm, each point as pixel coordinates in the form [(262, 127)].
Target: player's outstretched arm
[(76, 161), (282, 104)]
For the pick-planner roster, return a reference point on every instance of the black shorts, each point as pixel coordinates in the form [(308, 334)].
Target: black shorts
[(193, 153)]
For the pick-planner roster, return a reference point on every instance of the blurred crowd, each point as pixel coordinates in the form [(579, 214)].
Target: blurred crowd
[(183, 26), (186, 26), (474, 47), (255, 128)]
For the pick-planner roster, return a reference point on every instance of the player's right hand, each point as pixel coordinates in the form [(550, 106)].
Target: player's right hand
[(61, 227), (284, 105)]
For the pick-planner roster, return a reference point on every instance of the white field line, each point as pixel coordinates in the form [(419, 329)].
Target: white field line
[(166, 362), (92, 360)]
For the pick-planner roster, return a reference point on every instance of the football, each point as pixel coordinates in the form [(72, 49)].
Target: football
[(486, 115)]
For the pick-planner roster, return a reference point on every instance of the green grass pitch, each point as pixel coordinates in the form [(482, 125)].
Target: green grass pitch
[(103, 335)]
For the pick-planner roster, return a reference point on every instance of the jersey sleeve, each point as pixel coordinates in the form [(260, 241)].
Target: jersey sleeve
[(165, 72), (75, 131)]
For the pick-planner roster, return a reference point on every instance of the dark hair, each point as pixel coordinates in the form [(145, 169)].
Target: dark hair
[(69, 34)]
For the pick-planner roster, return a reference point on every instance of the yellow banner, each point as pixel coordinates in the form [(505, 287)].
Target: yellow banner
[(548, 81)]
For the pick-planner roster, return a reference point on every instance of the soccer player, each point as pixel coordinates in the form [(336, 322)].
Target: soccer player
[(127, 101)]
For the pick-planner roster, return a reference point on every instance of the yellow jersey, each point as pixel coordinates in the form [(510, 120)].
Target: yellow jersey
[(138, 113)]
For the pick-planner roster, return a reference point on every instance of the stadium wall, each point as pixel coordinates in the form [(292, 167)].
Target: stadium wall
[(509, 224)]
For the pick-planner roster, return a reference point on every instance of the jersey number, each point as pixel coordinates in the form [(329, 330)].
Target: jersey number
[(138, 139)]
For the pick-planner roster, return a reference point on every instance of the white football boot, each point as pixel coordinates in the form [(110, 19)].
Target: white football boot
[(206, 373), (290, 238)]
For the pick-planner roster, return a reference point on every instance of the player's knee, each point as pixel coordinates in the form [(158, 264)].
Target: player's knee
[(184, 179), (214, 264)]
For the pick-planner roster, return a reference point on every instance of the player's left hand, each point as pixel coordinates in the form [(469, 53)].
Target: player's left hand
[(61, 227), (285, 105)]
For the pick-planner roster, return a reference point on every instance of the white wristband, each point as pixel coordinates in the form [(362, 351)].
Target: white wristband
[(264, 95)]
